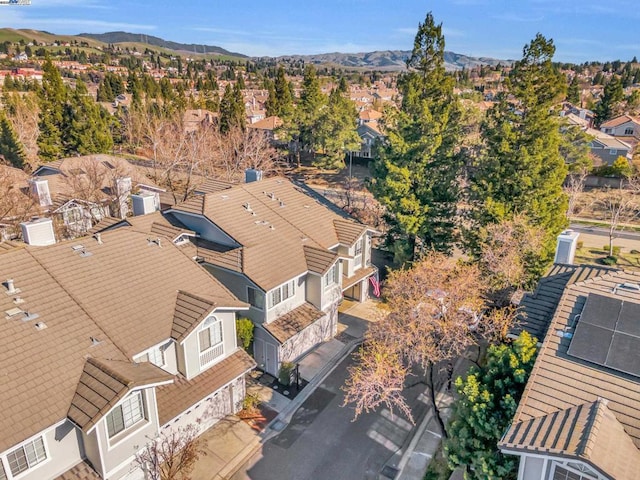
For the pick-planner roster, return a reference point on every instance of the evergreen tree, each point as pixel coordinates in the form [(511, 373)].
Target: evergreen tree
[(415, 176), (232, 111), (52, 98), (240, 82), (488, 399), (284, 99), (272, 102), (86, 124), (611, 98), (10, 147), (521, 169), (573, 92), (336, 130), (309, 110)]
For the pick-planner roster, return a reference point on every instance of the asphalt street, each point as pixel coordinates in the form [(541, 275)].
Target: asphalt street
[(324, 442)]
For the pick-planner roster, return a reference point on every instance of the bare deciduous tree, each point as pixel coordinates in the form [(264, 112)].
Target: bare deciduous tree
[(360, 204), (171, 455), (16, 205), (505, 250), (434, 309), (574, 187), (619, 206)]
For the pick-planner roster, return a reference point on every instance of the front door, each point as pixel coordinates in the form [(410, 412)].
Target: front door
[(259, 353), (272, 359)]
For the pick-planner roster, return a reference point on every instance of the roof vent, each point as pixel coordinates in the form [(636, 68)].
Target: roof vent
[(12, 312), (271, 227), (627, 286), (18, 300), (85, 254), (247, 207), (78, 248), (281, 203), (40, 325), (154, 241), (28, 316), (94, 341), (224, 197), (11, 287), (98, 237)]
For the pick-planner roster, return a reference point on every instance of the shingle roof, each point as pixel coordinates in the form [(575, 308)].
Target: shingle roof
[(212, 185), (176, 398), (560, 381), (273, 221), (81, 471), (348, 232), (107, 223), (189, 312), (123, 295), (290, 324), (269, 123), (621, 120), (104, 383), (318, 260), (537, 309), (588, 432)]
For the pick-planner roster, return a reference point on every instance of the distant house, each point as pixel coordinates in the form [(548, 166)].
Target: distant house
[(369, 134), (107, 342), (289, 257), (622, 126), (607, 147), (578, 416), (268, 126)]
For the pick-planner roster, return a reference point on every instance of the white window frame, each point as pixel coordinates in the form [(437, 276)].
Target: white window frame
[(39, 459), (331, 277), (282, 293), (571, 469), (155, 355), (613, 151), (257, 294), (130, 417), (208, 328)]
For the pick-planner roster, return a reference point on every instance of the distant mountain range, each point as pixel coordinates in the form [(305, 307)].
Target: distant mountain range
[(125, 37), (387, 60), (391, 60)]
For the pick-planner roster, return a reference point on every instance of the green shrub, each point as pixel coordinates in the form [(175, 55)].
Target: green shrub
[(580, 245), (251, 402), (244, 329), (616, 250), (284, 375), (610, 260)]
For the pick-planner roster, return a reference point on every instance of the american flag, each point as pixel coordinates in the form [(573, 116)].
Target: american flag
[(375, 283)]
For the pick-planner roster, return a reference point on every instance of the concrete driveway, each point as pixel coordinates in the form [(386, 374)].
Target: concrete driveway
[(323, 441)]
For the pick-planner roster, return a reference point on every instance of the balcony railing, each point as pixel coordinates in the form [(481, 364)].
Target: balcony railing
[(211, 354)]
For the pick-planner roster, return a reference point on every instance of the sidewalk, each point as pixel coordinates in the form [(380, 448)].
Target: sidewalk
[(231, 442)]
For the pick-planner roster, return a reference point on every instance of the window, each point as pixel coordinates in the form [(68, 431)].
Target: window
[(332, 276), (155, 356), (561, 473), (3, 475), (628, 131), (255, 298), (281, 293), (357, 261), (613, 151), (125, 415), (27, 456), (211, 335)]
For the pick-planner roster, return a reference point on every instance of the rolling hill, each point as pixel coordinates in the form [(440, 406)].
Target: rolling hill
[(125, 37)]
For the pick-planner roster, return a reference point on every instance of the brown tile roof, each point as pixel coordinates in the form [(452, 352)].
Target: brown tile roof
[(104, 383), (589, 432), (8, 245), (318, 260), (273, 220), (81, 471), (560, 381), (348, 232), (370, 115), (220, 255), (176, 398), (293, 322), (189, 312), (123, 295), (107, 223), (358, 275), (621, 120), (537, 309), (269, 123), (211, 185)]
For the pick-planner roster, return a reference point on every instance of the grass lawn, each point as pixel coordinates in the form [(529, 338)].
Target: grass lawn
[(594, 256)]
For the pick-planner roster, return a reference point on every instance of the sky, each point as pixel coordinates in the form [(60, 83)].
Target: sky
[(582, 30)]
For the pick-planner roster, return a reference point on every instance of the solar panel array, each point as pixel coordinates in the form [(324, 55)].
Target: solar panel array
[(608, 334)]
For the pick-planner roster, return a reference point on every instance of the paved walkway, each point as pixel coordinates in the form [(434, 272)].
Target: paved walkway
[(231, 442)]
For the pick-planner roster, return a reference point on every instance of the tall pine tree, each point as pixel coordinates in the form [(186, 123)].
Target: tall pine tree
[(86, 124), (416, 174), (10, 147), (52, 97), (284, 99), (232, 111), (309, 109), (521, 169)]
